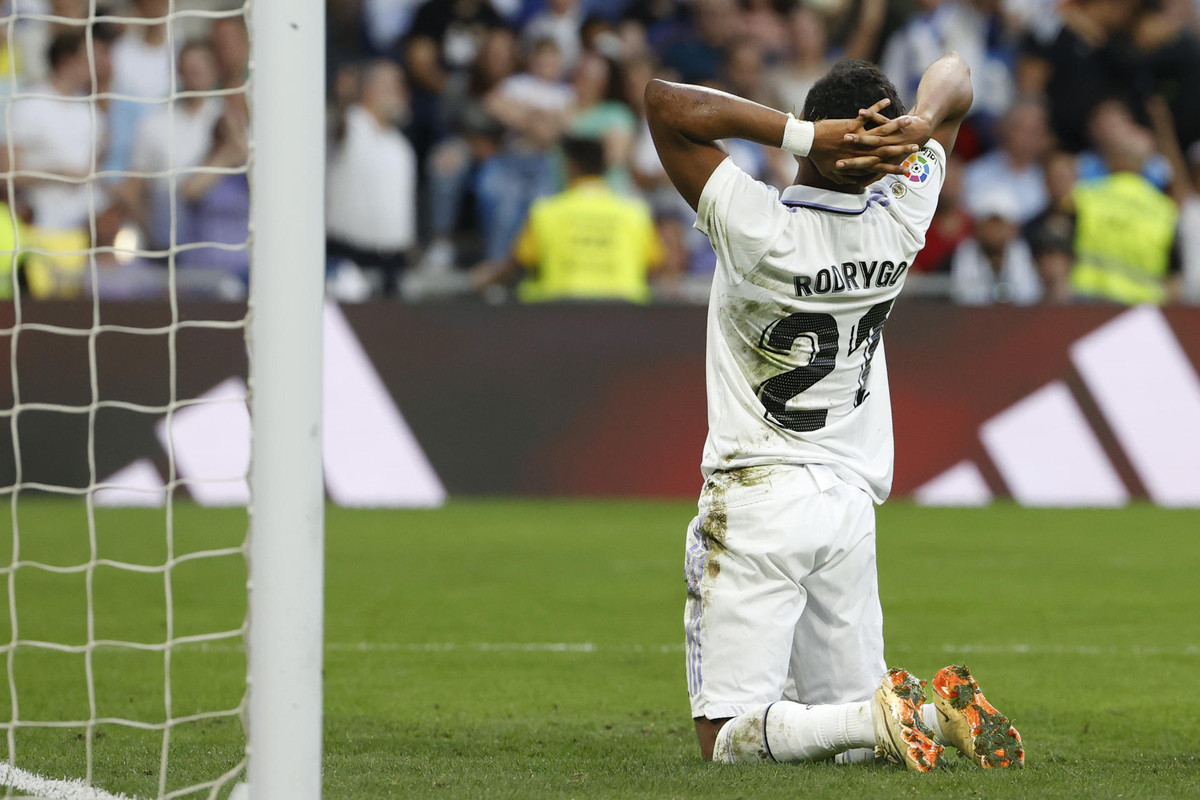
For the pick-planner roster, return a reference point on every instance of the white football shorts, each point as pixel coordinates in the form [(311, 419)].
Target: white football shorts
[(783, 594)]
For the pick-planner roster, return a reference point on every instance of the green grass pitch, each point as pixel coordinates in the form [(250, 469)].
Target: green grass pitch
[(532, 649)]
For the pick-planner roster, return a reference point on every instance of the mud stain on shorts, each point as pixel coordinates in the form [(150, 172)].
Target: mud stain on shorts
[(714, 526), (715, 497)]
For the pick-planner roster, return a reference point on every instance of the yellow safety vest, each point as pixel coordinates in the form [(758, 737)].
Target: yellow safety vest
[(9, 225), (588, 243), (1124, 230)]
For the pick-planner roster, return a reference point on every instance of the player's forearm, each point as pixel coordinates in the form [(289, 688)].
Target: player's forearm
[(945, 93), (704, 116)]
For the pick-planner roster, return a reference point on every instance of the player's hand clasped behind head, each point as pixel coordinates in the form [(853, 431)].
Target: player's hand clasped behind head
[(872, 144)]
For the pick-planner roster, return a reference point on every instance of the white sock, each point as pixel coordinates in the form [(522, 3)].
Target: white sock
[(787, 731), (859, 755), (930, 715)]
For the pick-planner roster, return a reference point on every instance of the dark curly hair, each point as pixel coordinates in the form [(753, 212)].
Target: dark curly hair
[(846, 88)]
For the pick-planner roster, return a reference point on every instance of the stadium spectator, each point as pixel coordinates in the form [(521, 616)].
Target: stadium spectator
[(995, 265), (1082, 58), (1189, 227), (12, 61), (586, 243), (809, 54), (660, 19), (972, 27), (600, 35), (142, 66), (672, 216), (1024, 140), (1125, 242), (172, 139), (11, 231), (231, 43), (763, 23), (1111, 122), (864, 27), (561, 21), (807, 59), (32, 36), (53, 132), (535, 107), (1172, 57), (385, 21), (444, 40), (697, 53), (540, 90), (745, 73), (1051, 234), (475, 140), (371, 181), (1185, 190), (487, 135), (216, 205), (601, 113)]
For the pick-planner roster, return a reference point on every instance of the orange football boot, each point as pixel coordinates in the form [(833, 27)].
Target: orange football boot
[(901, 735), (972, 724)]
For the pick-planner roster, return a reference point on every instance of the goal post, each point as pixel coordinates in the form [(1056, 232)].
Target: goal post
[(152, 646), (286, 549)]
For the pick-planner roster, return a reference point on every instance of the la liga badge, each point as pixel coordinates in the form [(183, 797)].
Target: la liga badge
[(918, 168)]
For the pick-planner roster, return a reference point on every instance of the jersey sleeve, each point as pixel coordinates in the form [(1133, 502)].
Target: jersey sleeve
[(740, 216), (915, 195)]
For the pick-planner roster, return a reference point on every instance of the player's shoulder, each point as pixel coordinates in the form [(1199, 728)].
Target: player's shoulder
[(913, 197), (730, 181), (733, 204)]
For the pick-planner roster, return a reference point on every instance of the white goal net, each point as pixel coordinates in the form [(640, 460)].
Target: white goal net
[(125, 475)]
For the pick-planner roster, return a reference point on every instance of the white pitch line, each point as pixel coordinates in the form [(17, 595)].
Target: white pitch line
[(478, 647), (50, 789), (592, 647), (1059, 650)]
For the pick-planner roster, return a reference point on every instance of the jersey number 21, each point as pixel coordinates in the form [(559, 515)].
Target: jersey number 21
[(780, 335)]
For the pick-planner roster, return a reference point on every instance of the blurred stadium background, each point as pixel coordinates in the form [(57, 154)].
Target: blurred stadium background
[(1046, 353), (1015, 372)]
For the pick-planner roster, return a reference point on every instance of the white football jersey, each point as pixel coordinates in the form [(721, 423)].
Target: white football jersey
[(804, 284)]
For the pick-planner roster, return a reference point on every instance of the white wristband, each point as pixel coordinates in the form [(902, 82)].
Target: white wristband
[(798, 136)]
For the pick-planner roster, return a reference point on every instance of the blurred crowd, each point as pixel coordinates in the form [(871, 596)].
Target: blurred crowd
[(1074, 178), (500, 146), (125, 145)]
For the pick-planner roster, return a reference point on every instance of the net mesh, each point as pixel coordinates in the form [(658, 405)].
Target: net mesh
[(120, 673)]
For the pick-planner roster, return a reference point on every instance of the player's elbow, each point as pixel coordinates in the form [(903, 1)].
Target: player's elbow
[(655, 95), (661, 100), (964, 93), (955, 59)]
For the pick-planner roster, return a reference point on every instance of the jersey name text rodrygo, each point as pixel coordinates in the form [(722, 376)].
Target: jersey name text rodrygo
[(805, 282)]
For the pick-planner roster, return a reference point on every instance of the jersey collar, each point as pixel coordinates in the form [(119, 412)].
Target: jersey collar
[(824, 200)]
